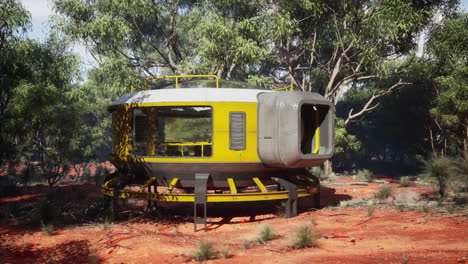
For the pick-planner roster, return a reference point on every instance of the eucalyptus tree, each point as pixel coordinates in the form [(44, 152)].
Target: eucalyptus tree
[(14, 20), (44, 112), (334, 46), (448, 55)]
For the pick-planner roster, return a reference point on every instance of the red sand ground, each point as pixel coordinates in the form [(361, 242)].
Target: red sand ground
[(348, 236)]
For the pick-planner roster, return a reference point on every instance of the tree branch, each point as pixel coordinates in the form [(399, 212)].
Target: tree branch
[(367, 107)]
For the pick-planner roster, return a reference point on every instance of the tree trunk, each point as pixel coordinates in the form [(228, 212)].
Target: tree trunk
[(328, 168)]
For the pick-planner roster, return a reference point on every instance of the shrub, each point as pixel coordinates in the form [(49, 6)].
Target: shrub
[(405, 181), (265, 234), (305, 238), (225, 253), (439, 170), (47, 229), (318, 172), (462, 170), (365, 175), (247, 244), (384, 192), (106, 225), (400, 208), (313, 222), (424, 209), (370, 211), (205, 251), (280, 208)]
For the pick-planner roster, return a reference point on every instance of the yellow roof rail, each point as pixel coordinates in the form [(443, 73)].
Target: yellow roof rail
[(289, 88), (176, 77)]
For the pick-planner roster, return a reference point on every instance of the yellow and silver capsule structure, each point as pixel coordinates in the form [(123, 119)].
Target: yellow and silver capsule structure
[(235, 135)]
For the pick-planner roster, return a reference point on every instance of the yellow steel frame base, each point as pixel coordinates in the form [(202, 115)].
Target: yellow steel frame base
[(234, 196)]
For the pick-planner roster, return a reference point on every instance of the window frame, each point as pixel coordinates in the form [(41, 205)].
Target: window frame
[(132, 138)]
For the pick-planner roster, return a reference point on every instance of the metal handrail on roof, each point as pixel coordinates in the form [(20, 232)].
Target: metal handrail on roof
[(176, 77)]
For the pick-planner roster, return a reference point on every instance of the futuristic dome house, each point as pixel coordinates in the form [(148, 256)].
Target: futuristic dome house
[(216, 144)]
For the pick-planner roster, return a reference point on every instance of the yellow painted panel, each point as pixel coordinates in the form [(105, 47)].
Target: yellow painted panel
[(221, 151)]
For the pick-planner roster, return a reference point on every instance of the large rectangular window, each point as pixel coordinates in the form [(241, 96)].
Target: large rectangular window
[(173, 131)]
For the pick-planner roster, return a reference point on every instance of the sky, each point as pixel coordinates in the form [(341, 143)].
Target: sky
[(42, 9)]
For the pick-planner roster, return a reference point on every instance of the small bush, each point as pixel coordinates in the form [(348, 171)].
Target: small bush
[(370, 211), (462, 171), (265, 234), (280, 208), (365, 175), (424, 209), (106, 225), (313, 222), (318, 172), (384, 192), (48, 229), (305, 238), (405, 181), (225, 253), (247, 244), (400, 208), (47, 211), (205, 251), (440, 171)]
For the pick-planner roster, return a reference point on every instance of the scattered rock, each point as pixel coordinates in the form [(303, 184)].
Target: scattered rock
[(351, 183), (408, 195), (380, 181), (355, 202)]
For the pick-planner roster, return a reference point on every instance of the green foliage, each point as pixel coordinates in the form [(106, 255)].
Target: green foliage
[(265, 234), (247, 244), (48, 229), (14, 20), (462, 170), (313, 222), (225, 253), (400, 208), (370, 211), (305, 237), (318, 172), (440, 171), (200, 129), (205, 251), (346, 144), (365, 175), (450, 69), (384, 192), (106, 225), (405, 181)]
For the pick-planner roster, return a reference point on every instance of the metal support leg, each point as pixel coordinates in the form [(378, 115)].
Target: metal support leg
[(150, 206), (291, 204), (201, 180)]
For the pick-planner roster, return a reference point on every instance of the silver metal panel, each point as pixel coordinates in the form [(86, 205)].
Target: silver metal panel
[(279, 129), (237, 137)]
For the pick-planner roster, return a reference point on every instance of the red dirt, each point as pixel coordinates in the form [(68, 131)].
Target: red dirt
[(348, 235)]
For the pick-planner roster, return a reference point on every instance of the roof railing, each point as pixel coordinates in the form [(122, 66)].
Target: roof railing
[(288, 88), (177, 77)]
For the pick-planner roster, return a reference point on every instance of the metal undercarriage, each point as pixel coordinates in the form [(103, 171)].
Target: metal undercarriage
[(289, 188)]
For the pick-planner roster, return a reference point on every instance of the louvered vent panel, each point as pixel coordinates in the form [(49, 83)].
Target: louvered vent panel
[(237, 130)]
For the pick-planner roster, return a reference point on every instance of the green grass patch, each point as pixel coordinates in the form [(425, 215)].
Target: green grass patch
[(305, 237)]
